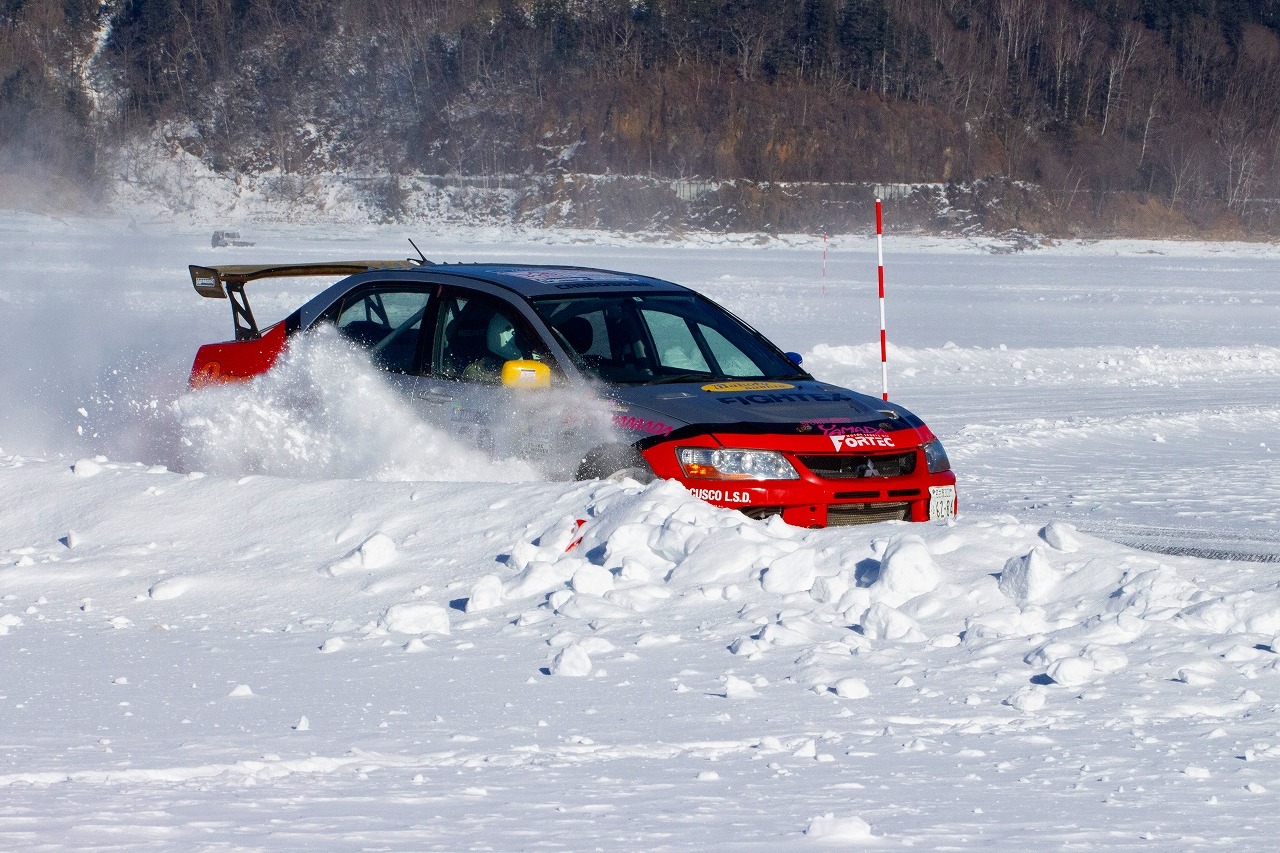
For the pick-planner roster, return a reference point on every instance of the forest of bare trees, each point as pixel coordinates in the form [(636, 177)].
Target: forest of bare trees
[(1067, 116)]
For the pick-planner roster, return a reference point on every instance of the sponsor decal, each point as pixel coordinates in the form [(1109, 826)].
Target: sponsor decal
[(635, 424), (796, 397), (721, 496), (840, 429), (827, 426), (592, 285), (574, 277), (854, 442), (461, 415), (721, 387)]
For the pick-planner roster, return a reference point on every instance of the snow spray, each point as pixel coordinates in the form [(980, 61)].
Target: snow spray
[(324, 412), (884, 345)]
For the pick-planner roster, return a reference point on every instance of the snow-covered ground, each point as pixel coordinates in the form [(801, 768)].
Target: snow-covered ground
[(323, 626)]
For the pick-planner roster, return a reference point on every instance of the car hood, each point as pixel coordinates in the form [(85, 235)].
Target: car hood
[(801, 406)]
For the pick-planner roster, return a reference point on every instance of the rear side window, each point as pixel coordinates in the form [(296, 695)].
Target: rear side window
[(388, 323)]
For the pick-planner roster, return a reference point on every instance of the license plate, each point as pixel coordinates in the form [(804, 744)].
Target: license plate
[(942, 502)]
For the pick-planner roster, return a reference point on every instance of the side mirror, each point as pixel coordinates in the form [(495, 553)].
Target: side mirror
[(794, 357), (525, 373)]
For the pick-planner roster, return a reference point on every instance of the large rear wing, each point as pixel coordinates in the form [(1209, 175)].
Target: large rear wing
[(227, 282)]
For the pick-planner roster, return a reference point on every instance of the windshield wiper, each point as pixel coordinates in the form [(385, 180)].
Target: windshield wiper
[(700, 376)]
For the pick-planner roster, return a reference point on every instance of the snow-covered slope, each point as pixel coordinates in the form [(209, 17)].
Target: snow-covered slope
[(261, 619)]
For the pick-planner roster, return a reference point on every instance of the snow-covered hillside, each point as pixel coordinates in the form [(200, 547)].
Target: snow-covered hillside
[(288, 616)]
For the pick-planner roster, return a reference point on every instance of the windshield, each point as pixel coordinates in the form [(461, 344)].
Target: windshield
[(647, 339)]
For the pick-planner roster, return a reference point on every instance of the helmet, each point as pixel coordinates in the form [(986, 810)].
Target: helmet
[(501, 338)]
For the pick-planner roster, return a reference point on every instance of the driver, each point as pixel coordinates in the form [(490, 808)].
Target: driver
[(501, 347)]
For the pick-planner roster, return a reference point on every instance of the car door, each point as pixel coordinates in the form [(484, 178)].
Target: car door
[(461, 389)]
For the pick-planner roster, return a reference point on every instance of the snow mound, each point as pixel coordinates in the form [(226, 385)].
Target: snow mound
[(416, 618), (377, 551), (168, 588), (572, 661), (486, 594), (906, 570), (86, 468), (1029, 577), (793, 572), (882, 622), (1061, 535), (830, 829), (851, 688)]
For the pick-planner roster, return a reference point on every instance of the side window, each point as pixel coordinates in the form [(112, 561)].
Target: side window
[(587, 334), (387, 322), (476, 334), (675, 344), (733, 361), (607, 337)]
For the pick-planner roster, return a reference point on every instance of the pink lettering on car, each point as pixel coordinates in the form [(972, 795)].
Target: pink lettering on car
[(635, 424)]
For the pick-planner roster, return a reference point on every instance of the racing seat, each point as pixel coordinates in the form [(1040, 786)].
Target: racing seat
[(365, 333), (578, 333), (464, 343)]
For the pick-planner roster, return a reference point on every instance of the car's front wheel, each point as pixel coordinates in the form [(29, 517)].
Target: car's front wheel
[(615, 461)]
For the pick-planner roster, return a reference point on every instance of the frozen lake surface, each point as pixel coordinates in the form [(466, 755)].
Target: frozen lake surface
[(342, 640)]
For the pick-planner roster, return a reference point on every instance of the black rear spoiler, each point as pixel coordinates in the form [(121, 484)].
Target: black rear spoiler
[(227, 282)]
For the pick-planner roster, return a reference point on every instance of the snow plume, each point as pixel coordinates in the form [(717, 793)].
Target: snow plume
[(325, 411), (127, 412), (97, 392)]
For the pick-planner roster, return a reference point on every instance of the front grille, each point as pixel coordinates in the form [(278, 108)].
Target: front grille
[(850, 467), (842, 515)]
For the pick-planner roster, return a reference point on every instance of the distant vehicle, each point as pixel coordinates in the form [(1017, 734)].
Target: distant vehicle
[(691, 392), (228, 238)]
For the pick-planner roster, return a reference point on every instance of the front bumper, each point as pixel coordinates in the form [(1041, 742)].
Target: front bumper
[(829, 492)]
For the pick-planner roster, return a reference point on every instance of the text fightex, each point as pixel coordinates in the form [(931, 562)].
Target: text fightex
[(791, 397)]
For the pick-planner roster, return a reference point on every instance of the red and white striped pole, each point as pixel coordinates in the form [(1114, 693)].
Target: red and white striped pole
[(824, 263), (884, 345)]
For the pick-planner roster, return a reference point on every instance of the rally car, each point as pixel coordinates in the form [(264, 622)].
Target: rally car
[(690, 392)]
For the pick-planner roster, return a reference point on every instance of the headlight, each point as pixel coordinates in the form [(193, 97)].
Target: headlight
[(706, 464), (936, 457)]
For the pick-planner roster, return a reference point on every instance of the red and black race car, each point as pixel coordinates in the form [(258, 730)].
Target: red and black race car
[(693, 393)]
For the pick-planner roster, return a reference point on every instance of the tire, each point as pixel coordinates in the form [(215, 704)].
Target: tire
[(614, 462)]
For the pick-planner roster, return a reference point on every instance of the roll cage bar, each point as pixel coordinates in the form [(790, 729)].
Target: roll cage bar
[(228, 281)]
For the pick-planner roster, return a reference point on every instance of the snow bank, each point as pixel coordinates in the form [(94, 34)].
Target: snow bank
[(829, 829)]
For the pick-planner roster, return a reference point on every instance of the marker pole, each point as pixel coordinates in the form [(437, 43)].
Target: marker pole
[(824, 263), (884, 345)]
